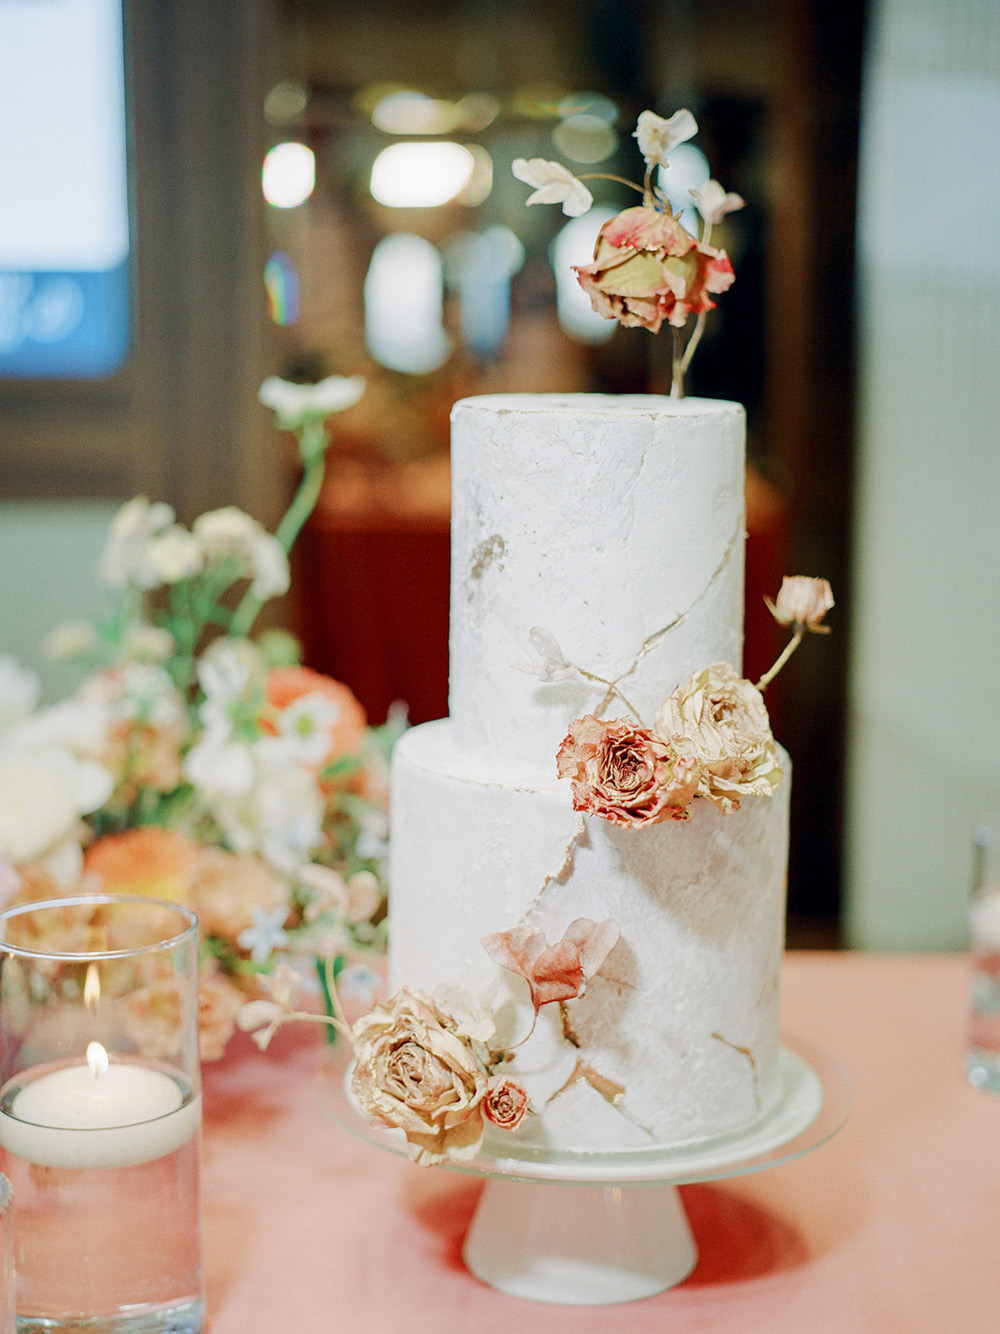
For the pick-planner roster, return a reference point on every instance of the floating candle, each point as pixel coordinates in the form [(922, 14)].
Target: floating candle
[(100, 1114)]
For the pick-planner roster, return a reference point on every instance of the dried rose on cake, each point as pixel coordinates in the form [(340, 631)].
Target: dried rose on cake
[(720, 720), (415, 1073), (506, 1103), (626, 774), (647, 268), (558, 972)]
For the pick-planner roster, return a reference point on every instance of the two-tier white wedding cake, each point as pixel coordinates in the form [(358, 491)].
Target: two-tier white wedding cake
[(597, 564)]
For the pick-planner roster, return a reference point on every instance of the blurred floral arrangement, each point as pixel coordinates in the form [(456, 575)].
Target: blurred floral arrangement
[(199, 765), (647, 267)]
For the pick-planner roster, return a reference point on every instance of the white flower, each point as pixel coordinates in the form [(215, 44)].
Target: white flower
[(658, 137), (146, 693), (360, 983), (43, 792), (174, 555), (219, 765), (295, 404), (269, 566), (79, 724), (19, 691), (231, 534), (553, 185), (305, 727), (714, 202), (124, 559)]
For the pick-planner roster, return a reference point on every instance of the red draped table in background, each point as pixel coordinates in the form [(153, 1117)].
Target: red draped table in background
[(894, 1225)]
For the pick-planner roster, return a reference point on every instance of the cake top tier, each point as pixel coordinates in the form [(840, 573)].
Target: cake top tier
[(609, 526)]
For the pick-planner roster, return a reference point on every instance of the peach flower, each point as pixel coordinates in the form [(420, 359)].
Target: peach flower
[(413, 1072), (152, 861), (720, 719), (625, 774), (647, 268)]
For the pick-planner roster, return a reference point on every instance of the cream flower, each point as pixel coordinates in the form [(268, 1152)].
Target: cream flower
[(43, 793), (802, 601), (553, 185), (173, 555), (720, 720), (658, 137), (414, 1073), (714, 202), (295, 404), (19, 691)]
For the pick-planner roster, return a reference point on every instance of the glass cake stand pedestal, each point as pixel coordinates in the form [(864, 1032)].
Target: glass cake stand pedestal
[(601, 1229)]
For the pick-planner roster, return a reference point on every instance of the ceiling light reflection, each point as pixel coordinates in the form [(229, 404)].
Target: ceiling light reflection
[(289, 175), (421, 175)]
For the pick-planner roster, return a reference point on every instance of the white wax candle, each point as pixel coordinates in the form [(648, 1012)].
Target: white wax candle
[(71, 1116)]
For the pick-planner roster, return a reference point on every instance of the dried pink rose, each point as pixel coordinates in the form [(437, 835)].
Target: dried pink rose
[(505, 1103), (413, 1072), (802, 602), (720, 719), (556, 972), (647, 268), (625, 774)]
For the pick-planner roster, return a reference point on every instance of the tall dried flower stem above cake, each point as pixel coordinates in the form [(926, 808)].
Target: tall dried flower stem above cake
[(647, 267)]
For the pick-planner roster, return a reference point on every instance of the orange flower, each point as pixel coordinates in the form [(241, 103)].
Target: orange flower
[(344, 719), (159, 863)]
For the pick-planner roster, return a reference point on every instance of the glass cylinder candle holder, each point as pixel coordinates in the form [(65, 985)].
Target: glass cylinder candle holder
[(982, 1061), (100, 1114), (7, 1313)]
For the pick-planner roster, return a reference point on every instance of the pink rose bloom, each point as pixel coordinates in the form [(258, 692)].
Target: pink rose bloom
[(647, 268), (625, 773), (505, 1103)]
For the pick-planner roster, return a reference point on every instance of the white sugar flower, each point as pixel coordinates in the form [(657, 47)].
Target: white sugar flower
[(553, 665), (714, 202), (19, 691), (553, 185), (124, 559), (658, 137), (296, 404)]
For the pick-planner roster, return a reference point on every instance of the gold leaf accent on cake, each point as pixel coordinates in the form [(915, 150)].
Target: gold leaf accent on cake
[(489, 550), (748, 1055)]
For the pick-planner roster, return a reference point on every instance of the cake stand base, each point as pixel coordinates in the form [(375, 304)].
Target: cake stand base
[(579, 1245)]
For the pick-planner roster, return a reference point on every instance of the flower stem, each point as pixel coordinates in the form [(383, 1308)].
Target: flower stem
[(606, 176), (693, 341), (677, 374), (783, 657), (312, 448)]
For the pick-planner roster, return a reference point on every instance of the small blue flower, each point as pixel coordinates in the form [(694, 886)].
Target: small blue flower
[(266, 934)]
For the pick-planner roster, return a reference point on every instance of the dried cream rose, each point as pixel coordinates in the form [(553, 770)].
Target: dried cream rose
[(625, 773), (505, 1103), (414, 1073), (719, 719), (802, 601), (647, 268)]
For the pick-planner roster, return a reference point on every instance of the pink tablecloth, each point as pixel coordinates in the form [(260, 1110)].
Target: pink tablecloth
[(893, 1226)]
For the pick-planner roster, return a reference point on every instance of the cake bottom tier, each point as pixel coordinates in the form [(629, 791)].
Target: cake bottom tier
[(676, 1037)]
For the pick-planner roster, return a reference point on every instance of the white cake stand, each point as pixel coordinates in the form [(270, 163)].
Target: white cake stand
[(598, 1229)]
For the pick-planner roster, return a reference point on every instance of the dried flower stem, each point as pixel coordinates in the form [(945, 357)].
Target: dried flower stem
[(783, 657)]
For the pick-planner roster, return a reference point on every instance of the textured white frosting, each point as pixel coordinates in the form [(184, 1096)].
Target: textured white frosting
[(616, 525), (693, 978), (603, 520)]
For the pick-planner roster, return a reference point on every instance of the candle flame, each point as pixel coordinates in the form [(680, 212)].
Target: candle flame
[(97, 1059), (91, 986)]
